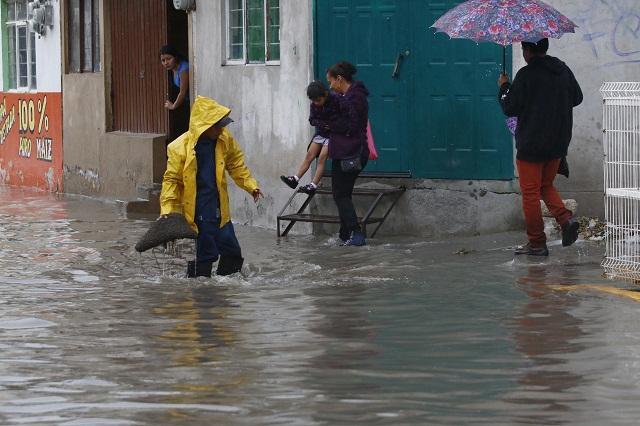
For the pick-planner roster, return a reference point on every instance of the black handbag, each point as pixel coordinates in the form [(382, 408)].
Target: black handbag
[(351, 165)]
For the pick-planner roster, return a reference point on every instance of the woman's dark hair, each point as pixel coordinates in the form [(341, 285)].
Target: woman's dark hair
[(539, 48), (170, 50), (316, 89), (345, 69)]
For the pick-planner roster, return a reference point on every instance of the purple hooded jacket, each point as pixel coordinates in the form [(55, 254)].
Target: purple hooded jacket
[(331, 112), (350, 140)]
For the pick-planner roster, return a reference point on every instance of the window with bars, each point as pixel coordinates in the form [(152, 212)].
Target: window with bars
[(21, 47), (83, 38), (253, 31)]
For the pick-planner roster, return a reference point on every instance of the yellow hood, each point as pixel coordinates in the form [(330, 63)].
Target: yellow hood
[(205, 112)]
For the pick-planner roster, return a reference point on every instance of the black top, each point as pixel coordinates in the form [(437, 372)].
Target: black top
[(542, 96)]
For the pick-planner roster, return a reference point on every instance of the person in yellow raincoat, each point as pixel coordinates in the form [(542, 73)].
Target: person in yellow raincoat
[(195, 185)]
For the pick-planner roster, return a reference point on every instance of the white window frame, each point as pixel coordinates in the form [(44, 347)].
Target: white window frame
[(227, 37), (227, 30), (266, 35), (30, 38)]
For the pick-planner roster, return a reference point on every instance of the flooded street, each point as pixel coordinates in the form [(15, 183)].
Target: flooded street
[(400, 332)]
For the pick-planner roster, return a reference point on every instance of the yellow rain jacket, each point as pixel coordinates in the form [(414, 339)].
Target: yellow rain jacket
[(179, 183)]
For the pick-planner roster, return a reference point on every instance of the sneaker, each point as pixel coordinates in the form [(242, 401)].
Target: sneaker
[(308, 188), (290, 181), (570, 232), (357, 239), (529, 250)]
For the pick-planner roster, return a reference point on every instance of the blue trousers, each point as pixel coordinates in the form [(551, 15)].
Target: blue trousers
[(214, 241)]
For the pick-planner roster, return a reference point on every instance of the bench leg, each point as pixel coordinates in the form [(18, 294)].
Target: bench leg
[(300, 210), (369, 212), (386, 214)]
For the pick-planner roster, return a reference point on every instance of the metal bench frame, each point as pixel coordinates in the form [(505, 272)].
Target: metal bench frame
[(368, 218)]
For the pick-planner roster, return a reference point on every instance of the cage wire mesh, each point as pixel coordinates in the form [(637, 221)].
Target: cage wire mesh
[(621, 143), (168, 260)]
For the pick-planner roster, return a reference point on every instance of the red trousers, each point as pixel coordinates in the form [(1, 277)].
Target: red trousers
[(536, 183)]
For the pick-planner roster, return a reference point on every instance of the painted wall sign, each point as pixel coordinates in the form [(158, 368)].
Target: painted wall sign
[(31, 140)]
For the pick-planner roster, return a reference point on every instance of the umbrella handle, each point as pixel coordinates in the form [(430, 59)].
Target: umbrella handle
[(504, 59)]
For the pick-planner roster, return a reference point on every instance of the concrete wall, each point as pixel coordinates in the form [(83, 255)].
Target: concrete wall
[(31, 154), (268, 102), (437, 208), (605, 47), (3, 45), (49, 55), (98, 162)]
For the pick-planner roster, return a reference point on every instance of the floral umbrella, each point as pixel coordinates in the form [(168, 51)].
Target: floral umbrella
[(504, 22)]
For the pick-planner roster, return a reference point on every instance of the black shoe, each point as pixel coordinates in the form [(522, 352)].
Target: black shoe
[(308, 189), (570, 232), (199, 269), (290, 181), (228, 265), (532, 251)]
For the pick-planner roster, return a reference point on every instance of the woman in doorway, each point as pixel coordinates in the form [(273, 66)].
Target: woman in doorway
[(348, 150), (174, 61)]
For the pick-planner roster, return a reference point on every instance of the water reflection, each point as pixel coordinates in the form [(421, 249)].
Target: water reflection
[(197, 346), (200, 330), (399, 332), (546, 334)]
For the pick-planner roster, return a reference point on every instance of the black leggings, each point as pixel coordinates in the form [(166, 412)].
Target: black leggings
[(342, 187)]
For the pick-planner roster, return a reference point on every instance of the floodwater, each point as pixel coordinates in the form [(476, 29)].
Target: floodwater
[(401, 332)]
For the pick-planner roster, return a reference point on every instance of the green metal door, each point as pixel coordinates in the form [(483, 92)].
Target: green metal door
[(370, 34), (457, 118), (437, 115)]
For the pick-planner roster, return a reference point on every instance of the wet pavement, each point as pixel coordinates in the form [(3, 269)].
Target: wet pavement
[(400, 332)]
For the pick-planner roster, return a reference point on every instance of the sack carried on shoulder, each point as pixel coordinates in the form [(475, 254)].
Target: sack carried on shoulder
[(351, 165)]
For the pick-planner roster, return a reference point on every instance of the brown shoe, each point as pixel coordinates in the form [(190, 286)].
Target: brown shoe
[(529, 250)]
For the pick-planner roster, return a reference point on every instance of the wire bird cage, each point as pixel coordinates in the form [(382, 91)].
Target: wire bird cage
[(621, 140)]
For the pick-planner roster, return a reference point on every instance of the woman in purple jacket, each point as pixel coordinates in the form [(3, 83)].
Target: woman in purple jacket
[(348, 149)]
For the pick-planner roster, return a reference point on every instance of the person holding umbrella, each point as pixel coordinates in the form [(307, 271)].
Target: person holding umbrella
[(542, 97)]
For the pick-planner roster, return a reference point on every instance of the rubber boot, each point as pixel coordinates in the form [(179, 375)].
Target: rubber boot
[(199, 269), (228, 265)]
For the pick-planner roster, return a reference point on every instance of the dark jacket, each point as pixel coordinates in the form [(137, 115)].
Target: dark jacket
[(351, 140), (542, 96), (320, 116)]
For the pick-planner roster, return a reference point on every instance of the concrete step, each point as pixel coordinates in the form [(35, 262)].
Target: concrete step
[(146, 192), (147, 204)]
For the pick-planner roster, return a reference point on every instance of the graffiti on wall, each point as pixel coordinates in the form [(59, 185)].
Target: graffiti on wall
[(31, 140), (611, 29)]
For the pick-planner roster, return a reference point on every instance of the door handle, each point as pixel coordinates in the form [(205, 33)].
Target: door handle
[(396, 68), (399, 59)]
